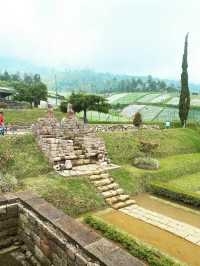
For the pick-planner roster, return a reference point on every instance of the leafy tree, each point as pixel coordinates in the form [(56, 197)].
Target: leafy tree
[(84, 102), (184, 102), (31, 90), (5, 76), (63, 106)]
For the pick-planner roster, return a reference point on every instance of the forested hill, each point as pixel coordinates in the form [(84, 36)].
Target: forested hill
[(89, 80)]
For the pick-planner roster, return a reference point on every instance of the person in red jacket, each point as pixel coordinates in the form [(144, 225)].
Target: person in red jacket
[(1, 123)]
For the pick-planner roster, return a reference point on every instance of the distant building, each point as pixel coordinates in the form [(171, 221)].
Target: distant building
[(6, 93)]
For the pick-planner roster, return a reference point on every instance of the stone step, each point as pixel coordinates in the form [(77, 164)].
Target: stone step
[(103, 182), (116, 199), (123, 204), (99, 176), (104, 175), (112, 186), (112, 193), (95, 177)]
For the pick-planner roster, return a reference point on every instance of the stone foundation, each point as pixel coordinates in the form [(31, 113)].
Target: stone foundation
[(69, 143), (46, 236), (122, 127)]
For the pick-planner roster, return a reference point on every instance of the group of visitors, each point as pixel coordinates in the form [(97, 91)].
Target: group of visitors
[(2, 124)]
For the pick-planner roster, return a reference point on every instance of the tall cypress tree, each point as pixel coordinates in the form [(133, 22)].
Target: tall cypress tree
[(184, 102)]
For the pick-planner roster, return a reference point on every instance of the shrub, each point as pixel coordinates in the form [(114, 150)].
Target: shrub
[(63, 107), (6, 157), (148, 147), (8, 183), (175, 193), (146, 163), (137, 119), (151, 256)]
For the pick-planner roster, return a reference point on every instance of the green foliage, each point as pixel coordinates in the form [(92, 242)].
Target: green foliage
[(84, 102), (150, 255), (31, 90), (8, 183), (63, 107), (148, 147), (175, 193), (184, 102), (137, 120)]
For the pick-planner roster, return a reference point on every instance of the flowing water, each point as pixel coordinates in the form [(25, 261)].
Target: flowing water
[(169, 243)]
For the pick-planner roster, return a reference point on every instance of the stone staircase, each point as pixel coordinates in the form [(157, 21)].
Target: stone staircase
[(110, 190)]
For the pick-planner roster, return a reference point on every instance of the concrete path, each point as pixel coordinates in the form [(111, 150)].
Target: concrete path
[(173, 226)]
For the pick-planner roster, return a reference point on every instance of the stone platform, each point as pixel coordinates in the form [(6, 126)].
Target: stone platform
[(87, 170), (181, 229)]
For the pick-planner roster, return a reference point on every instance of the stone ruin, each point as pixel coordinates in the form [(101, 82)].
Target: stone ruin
[(69, 143), (34, 233)]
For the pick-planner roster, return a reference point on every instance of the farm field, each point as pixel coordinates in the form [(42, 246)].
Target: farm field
[(128, 98), (116, 97), (131, 109), (162, 98), (145, 97), (94, 116), (159, 111), (149, 98)]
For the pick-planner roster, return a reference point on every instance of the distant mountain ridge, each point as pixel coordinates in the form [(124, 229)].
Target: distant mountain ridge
[(72, 79)]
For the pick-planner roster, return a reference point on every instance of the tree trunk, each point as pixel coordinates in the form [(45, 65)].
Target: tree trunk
[(85, 116)]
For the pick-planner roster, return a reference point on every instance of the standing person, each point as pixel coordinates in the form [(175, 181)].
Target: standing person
[(1, 123)]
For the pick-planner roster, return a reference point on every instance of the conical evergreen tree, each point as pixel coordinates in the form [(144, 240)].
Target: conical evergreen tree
[(184, 102)]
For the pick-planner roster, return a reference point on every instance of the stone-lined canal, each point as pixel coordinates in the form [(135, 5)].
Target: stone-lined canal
[(167, 242)]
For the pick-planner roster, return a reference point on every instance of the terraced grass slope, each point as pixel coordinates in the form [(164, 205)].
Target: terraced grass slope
[(179, 155), (21, 160)]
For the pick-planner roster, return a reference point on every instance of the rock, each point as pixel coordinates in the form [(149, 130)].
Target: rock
[(68, 165)]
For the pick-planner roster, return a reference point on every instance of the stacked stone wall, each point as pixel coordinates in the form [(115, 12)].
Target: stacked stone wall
[(8, 224), (49, 237), (69, 143)]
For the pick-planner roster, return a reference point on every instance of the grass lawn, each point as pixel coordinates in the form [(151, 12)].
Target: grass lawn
[(27, 116), (189, 182), (178, 154), (20, 157), (30, 116)]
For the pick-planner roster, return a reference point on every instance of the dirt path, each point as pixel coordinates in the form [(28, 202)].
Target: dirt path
[(163, 240)]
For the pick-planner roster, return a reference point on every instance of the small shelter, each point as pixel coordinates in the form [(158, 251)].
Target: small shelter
[(6, 92)]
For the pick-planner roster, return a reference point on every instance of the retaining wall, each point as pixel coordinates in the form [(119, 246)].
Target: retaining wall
[(49, 237)]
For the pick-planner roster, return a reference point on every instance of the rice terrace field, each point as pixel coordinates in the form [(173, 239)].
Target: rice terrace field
[(156, 107)]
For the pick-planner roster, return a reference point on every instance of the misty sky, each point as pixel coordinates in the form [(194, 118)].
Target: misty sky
[(136, 37)]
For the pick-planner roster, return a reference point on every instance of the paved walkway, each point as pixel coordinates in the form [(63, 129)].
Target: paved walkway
[(173, 226)]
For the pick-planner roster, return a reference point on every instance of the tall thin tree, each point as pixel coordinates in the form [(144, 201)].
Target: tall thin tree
[(184, 102)]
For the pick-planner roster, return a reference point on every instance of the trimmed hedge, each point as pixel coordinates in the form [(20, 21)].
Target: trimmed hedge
[(175, 193), (151, 256)]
